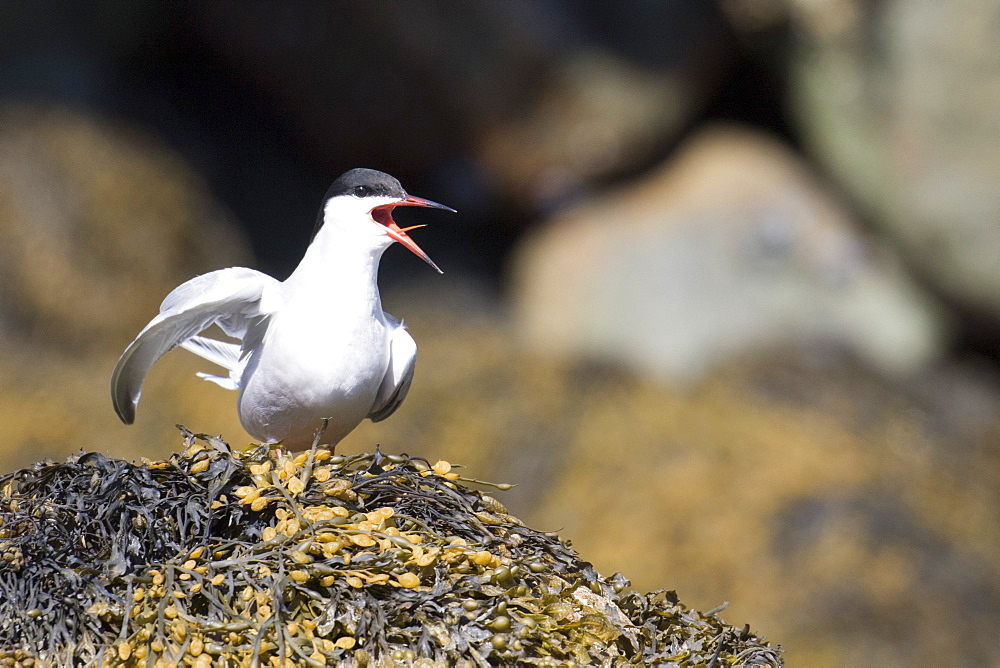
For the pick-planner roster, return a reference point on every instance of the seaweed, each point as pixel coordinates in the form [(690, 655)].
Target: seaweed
[(223, 557)]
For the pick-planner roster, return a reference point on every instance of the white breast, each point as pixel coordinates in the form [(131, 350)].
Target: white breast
[(310, 367)]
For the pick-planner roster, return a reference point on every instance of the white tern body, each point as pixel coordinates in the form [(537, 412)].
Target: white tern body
[(316, 346)]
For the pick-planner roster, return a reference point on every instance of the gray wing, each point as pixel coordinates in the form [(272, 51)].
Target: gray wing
[(237, 299), (399, 375)]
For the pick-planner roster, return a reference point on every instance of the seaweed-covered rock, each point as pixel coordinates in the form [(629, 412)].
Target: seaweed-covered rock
[(218, 557)]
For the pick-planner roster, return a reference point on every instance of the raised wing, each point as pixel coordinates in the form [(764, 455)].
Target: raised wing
[(237, 299), (399, 375)]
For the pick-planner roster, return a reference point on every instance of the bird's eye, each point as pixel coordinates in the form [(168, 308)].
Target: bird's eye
[(360, 191)]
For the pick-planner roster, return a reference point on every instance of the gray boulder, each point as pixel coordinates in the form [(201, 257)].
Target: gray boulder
[(732, 247), (901, 102)]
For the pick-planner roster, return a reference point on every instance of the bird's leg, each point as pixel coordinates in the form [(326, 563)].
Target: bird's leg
[(319, 434), (308, 468)]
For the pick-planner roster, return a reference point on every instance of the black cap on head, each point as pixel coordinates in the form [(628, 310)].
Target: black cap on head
[(366, 183), (361, 182)]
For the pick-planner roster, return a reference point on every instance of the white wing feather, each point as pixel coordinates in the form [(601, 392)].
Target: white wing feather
[(237, 299), (399, 375)]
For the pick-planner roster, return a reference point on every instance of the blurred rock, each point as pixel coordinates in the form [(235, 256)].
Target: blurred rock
[(755, 16), (855, 520), (733, 246), (98, 222), (597, 117), (901, 101)]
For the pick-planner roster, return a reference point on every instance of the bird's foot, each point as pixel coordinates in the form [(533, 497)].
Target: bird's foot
[(275, 448)]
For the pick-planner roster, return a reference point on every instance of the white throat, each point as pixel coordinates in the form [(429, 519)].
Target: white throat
[(344, 256)]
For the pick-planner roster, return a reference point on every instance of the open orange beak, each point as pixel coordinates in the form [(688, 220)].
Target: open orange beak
[(383, 216)]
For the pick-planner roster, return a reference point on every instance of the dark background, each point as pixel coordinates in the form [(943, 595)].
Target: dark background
[(269, 101)]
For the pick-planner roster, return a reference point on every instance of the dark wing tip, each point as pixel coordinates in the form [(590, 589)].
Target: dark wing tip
[(125, 409), (120, 396)]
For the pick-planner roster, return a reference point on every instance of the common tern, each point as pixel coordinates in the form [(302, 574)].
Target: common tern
[(315, 347)]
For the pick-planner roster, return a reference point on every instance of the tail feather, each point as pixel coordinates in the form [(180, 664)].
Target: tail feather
[(225, 382), (226, 355)]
